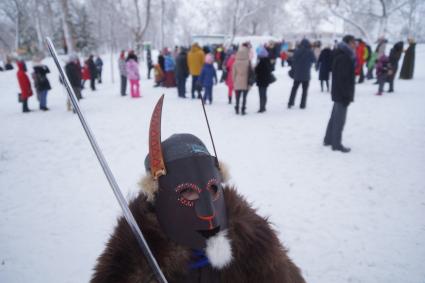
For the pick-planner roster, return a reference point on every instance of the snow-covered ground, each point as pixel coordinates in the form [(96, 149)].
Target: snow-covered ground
[(357, 217)]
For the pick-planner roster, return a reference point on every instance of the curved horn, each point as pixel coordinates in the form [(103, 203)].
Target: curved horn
[(155, 152)]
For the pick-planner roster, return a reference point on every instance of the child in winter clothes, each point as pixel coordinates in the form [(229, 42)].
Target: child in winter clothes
[(208, 77), (229, 78), (383, 71), (25, 85), (133, 75)]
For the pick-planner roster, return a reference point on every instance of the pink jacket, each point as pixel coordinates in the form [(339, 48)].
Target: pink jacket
[(132, 70), (229, 68)]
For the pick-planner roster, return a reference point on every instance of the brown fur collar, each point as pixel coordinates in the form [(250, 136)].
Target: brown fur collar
[(258, 256)]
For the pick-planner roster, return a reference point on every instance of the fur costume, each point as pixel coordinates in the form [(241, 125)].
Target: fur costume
[(256, 253)]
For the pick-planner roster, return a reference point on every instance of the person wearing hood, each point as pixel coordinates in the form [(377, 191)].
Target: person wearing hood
[(228, 65), (324, 66), (302, 60), (182, 72), (99, 67), (342, 90), (41, 83), (199, 228), (73, 72), (132, 67), (24, 85), (195, 62), (406, 72), (169, 67), (394, 58), (208, 78), (263, 75), (93, 72), (241, 73)]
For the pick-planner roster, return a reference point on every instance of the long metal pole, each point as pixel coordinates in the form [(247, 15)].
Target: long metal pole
[(121, 200)]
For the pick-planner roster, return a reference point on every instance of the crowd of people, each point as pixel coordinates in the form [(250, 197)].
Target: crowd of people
[(239, 72)]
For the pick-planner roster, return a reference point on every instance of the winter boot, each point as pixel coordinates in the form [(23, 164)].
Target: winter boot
[(25, 108), (237, 109), (243, 111), (230, 100)]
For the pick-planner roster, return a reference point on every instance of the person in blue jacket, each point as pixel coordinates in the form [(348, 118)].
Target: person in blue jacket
[(208, 77)]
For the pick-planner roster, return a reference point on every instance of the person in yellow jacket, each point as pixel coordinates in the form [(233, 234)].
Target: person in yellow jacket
[(195, 62)]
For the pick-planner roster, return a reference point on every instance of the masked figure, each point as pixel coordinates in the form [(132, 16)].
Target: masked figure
[(198, 227)]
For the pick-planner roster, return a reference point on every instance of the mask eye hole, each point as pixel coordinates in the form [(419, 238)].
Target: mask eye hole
[(187, 194), (214, 189)]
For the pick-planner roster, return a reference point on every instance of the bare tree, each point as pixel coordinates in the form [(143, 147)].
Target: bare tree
[(138, 30), (67, 26)]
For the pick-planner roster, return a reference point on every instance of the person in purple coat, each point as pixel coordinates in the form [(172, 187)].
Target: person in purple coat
[(208, 77)]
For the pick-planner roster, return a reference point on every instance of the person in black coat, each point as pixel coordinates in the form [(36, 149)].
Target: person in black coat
[(99, 67), (342, 90), (263, 75), (73, 72), (408, 66), (324, 66), (301, 63), (395, 55), (93, 72), (149, 61), (42, 84), (182, 72)]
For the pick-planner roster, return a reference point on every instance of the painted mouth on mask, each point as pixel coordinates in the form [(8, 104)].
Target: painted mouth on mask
[(209, 233)]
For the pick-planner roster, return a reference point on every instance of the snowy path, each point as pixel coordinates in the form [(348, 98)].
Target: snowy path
[(345, 218)]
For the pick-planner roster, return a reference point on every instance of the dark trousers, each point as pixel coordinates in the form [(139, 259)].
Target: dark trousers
[(240, 93), (369, 74), (149, 72), (294, 93), (208, 93), (99, 76), (361, 76), (195, 87), (382, 78), (327, 84), (336, 125), (181, 87), (263, 97), (92, 83), (123, 85)]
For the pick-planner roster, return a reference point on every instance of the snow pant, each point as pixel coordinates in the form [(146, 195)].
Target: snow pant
[(195, 87), (327, 84), (123, 85), (263, 97), (294, 93), (208, 93), (134, 88), (181, 87), (43, 98), (244, 94), (93, 83), (336, 125)]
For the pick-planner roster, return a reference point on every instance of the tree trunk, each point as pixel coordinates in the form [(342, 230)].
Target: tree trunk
[(38, 26), (67, 26)]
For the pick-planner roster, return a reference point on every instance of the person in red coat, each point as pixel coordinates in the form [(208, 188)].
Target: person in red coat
[(25, 85), (360, 54), (85, 74)]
